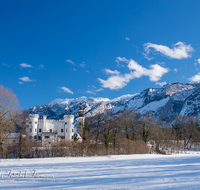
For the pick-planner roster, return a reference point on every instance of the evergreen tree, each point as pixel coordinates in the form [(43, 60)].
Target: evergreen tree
[(86, 130), (107, 138), (75, 137), (23, 118), (115, 139), (145, 133)]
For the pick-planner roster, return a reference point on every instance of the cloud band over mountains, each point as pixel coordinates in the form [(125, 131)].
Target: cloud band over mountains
[(118, 81)]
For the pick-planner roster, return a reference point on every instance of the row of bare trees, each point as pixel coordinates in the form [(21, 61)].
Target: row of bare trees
[(106, 134), (121, 132), (126, 133)]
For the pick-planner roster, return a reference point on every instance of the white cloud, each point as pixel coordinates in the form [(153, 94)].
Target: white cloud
[(99, 90), (196, 61), (179, 51), (66, 90), (93, 89), (87, 71), (69, 61), (41, 66), (155, 72), (4, 64), (114, 82), (82, 64), (118, 64), (25, 65), (175, 70), (20, 82), (161, 83), (127, 38), (115, 72), (195, 78), (118, 81), (90, 92), (26, 79), (122, 59)]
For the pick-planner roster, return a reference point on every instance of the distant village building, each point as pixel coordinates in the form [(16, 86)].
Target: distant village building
[(13, 138)]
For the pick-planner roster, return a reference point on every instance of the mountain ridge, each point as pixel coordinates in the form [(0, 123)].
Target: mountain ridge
[(166, 102)]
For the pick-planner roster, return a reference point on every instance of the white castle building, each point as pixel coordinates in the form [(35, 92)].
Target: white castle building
[(50, 131)]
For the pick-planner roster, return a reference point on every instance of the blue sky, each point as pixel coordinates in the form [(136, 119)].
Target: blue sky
[(68, 49)]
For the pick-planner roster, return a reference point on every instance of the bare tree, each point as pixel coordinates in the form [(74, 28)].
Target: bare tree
[(8, 112), (177, 129), (96, 124), (127, 123), (190, 131), (23, 118)]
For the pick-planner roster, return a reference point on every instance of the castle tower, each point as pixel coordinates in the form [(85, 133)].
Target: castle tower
[(33, 125), (69, 127), (80, 120), (44, 122)]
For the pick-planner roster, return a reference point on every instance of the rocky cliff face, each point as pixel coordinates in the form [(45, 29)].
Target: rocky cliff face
[(166, 102)]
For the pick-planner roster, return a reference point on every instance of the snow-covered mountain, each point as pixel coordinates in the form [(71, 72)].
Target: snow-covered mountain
[(166, 102)]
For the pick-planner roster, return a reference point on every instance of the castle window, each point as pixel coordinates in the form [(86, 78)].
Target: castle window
[(66, 130), (30, 130), (35, 122), (65, 123), (50, 130), (46, 137), (62, 137), (72, 123), (30, 122), (72, 130), (72, 137), (80, 123), (35, 130), (61, 130), (35, 137), (40, 130)]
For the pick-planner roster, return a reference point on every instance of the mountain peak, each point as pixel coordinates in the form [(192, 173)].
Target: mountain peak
[(165, 102)]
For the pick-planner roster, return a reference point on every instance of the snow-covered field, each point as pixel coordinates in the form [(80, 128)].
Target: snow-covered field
[(113, 172)]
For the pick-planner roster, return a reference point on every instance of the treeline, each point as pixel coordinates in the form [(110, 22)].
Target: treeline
[(104, 134), (101, 136), (136, 133), (126, 133)]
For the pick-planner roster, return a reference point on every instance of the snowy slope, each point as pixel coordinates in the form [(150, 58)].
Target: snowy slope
[(145, 171), (166, 102)]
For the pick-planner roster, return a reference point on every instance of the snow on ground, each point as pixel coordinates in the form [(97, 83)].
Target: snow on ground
[(112, 172)]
